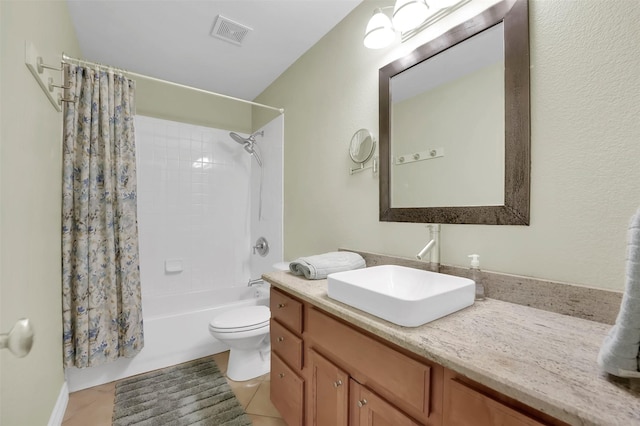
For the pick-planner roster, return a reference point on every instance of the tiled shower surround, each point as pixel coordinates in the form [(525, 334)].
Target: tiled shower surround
[(194, 208), (197, 220)]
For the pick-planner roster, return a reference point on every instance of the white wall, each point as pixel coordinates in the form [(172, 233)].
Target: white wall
[(585, 104), (193, 207)]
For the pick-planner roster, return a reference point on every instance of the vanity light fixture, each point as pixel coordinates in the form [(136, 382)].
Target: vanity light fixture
[(379, 32), (407, 15)]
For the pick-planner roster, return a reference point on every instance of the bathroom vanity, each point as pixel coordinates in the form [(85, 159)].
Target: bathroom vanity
[(492, 363)]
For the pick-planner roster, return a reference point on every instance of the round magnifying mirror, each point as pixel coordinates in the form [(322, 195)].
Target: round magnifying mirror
[(362, 146)]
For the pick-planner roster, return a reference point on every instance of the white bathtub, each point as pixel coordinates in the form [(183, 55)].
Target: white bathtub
[(213, 301), (175, 331)]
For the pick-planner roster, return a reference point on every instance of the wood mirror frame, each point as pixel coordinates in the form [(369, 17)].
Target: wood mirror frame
[(515, 211)]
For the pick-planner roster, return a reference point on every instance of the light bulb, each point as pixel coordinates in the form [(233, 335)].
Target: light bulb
[(408, 14), (379, 32)]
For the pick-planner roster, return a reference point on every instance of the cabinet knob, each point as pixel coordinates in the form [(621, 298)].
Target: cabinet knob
[(281, 375), (337, 383), (280, 339), (362, 403), (282, 305)]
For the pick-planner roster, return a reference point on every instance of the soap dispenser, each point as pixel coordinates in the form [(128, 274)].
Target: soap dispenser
[(476, 275)]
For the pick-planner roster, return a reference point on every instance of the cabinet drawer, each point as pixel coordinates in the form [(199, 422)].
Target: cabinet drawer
[(286, 310), (465, 406), (286, 344), (287, 392), (396, 377)]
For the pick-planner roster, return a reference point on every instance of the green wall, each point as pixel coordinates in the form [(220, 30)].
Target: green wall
[(155, 99), (585, 104), (30, 195)]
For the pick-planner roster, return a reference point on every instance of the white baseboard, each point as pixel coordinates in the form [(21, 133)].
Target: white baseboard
[(57, 415)]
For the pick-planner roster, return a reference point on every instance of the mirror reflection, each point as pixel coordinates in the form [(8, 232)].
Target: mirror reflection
[(455, 145), (447, 127)]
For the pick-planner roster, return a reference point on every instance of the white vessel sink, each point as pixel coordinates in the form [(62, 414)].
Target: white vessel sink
[(404, 296)]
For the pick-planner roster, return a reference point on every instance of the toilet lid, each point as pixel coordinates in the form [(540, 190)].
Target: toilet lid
[(247, 316)]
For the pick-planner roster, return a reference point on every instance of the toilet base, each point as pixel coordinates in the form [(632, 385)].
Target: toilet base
[(248, 364)]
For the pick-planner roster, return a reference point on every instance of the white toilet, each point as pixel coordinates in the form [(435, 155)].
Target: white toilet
[(246, 331)]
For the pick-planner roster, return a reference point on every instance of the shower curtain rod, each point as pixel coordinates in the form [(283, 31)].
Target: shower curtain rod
[(68, 59)]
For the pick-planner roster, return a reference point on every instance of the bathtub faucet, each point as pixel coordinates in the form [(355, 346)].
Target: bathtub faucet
[(254, 282)]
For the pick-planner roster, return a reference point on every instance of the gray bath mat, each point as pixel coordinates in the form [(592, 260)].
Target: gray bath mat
[(193, 393)]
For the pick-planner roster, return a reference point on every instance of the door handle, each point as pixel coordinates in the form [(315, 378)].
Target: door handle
[(20, 339)]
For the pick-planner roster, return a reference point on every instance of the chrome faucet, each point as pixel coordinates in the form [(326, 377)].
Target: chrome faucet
[(255, 282), (432, 248)]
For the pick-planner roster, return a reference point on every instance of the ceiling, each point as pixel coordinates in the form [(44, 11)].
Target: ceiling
[(171, 39)]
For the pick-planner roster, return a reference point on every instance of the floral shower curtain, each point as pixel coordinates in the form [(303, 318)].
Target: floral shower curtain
[(102, 308)]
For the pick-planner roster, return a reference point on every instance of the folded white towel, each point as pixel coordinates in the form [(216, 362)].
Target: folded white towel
[(620, 351), (319, 266)]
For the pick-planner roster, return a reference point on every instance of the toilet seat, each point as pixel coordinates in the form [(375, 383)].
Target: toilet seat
[(241, 319)]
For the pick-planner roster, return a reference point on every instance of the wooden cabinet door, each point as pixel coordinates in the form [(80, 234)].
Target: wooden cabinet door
[(465, 406), (368, 409), (287, 392), (329, 393), (401, 380)]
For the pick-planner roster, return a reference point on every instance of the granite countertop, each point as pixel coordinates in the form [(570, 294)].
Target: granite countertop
[(543, 359)]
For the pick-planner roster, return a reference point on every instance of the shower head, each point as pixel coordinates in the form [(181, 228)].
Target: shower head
[(248, 143), (236, 137), (251, 139)]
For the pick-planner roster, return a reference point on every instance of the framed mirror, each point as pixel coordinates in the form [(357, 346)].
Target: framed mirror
[(454, 125)]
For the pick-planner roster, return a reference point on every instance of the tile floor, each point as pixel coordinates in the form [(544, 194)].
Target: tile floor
[(94, 406)]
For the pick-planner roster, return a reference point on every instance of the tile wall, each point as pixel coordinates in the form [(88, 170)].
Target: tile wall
[(194, 204), (269, 225)]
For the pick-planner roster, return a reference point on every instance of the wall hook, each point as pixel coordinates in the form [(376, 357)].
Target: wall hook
[(42, 66), (52, 86)]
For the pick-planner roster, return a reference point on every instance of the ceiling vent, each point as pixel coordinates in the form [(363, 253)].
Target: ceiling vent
[(228, 30)]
